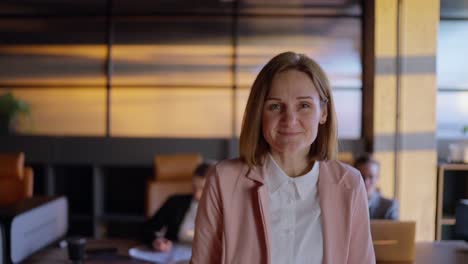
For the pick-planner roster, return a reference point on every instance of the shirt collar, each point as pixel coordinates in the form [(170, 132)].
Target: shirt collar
[(276, 176), (305, 184)]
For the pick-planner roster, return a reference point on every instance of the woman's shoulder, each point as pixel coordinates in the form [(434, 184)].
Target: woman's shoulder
[(228, 175), (230, 163), (230, 167), (343, 173)]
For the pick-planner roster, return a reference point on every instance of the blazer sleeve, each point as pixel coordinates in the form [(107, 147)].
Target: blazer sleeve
[(207, 244), (361, 248)]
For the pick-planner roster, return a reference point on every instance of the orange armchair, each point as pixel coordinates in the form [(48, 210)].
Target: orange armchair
[(16, 181), (173, 175)]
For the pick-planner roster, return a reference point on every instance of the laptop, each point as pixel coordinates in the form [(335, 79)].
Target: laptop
[(393, 240)]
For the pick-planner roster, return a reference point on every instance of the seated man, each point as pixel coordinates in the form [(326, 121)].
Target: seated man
[(175, 220), (379, 207)]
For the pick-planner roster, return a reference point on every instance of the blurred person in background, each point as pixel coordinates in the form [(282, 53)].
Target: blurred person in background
[(175, 220), (379, 206)]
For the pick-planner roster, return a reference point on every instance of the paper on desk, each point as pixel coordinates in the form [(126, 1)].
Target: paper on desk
[(178, 254)]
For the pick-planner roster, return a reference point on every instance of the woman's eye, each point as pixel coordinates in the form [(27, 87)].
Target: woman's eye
[(274, 107), (305, 105)]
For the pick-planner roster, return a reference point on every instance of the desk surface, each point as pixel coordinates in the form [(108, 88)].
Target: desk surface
[(438, 252), (56, 255)]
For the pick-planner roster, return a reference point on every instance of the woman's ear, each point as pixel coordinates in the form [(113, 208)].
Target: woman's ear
[(324, 114)]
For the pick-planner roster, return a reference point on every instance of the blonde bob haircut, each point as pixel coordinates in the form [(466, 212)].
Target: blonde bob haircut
[(252, 144)]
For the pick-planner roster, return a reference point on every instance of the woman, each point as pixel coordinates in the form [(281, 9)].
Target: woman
[(175, 220), (286, 199)]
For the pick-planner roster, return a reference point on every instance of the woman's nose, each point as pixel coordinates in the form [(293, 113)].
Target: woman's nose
[(289, 116)]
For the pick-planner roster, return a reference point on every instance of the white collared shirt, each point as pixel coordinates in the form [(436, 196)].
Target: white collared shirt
[(187, 228), (294, 209)]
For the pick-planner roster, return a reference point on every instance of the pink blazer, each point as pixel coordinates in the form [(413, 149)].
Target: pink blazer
[(232, 222)]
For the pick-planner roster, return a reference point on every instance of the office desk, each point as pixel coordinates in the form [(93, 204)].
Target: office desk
[(438, 252), (56, 255)]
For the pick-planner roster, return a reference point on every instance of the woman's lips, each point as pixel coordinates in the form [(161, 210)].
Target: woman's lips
[(288, 133)]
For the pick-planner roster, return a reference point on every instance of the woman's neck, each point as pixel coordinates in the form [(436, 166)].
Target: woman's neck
[(293, 164)]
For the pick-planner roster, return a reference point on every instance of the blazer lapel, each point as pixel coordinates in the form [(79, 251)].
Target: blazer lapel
[(333, 195), (261, 192)]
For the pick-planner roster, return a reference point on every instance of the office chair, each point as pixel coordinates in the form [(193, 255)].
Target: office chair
[(173, 175), (461, 220), (16, 181)]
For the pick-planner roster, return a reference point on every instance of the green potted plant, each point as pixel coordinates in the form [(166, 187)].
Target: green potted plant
[(10, 108)]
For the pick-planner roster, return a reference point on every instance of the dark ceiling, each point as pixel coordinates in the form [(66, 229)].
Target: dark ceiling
[(134, 7)]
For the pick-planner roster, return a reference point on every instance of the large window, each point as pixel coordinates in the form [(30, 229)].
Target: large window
[(168, 68), (452, 73), (56, 65)]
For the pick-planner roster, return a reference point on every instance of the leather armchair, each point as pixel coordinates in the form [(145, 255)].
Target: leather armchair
[(173, 175), (16, 181)]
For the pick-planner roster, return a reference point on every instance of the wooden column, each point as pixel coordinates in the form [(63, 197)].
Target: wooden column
[(404, 106), (385, 92)]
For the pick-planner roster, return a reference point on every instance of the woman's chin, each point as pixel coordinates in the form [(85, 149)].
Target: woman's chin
[(291, 148)]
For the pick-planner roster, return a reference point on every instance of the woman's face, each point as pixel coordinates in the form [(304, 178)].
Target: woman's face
[(291, 113)]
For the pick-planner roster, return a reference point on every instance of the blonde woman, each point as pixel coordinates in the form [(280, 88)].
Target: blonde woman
[(286, 199)]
